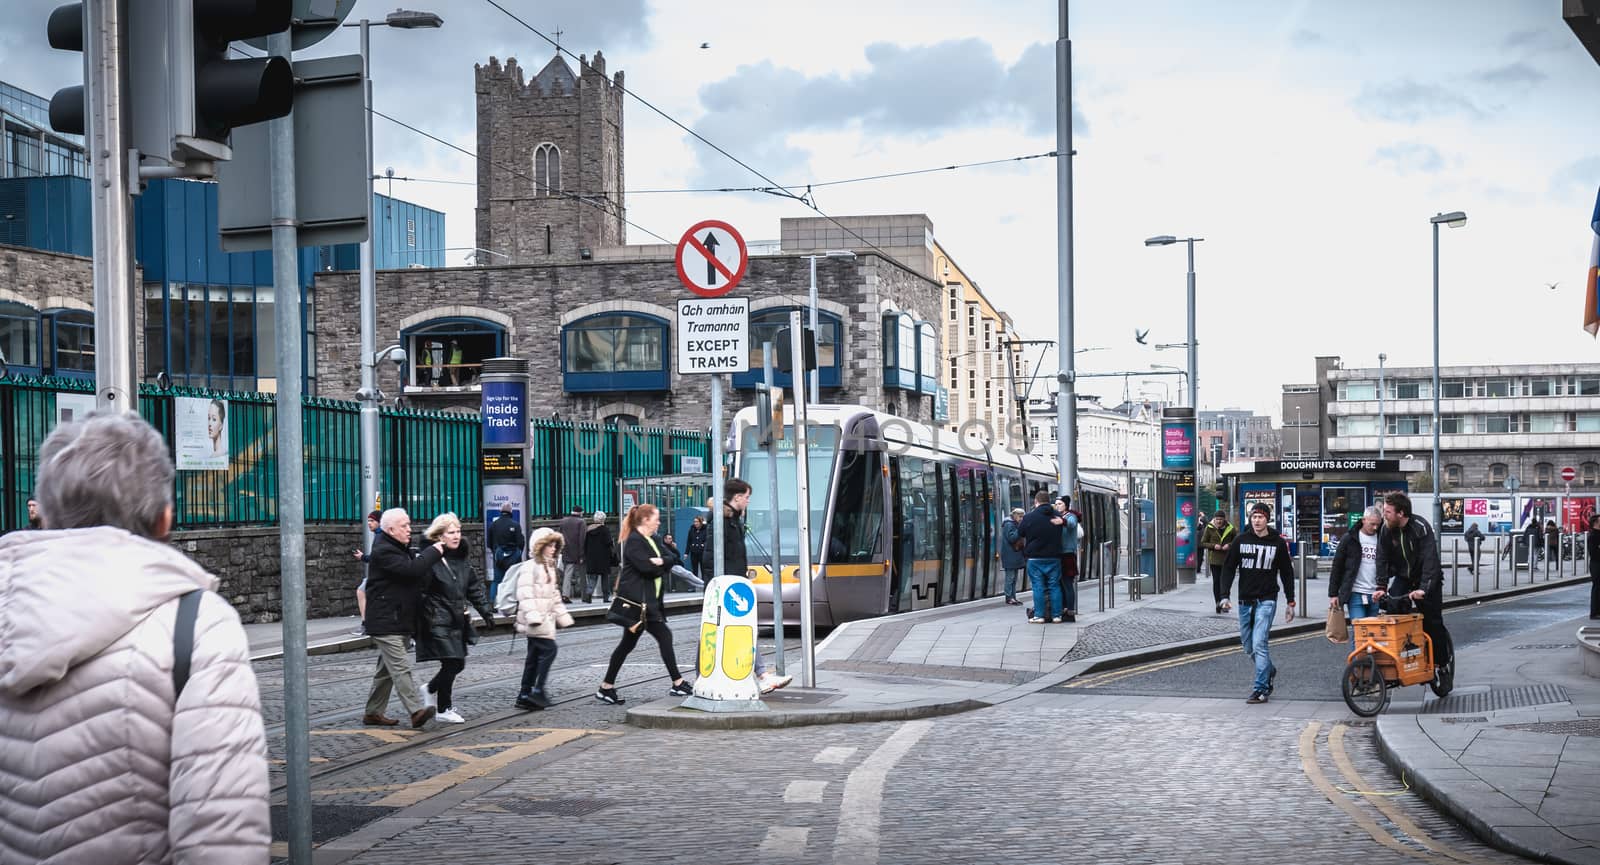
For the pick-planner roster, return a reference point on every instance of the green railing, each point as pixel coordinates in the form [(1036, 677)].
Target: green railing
[(431, 460)]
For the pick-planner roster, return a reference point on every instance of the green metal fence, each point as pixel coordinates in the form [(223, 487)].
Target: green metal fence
[(431, 460)]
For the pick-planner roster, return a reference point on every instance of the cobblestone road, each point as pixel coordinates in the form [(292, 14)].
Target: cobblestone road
[(1148, 626)]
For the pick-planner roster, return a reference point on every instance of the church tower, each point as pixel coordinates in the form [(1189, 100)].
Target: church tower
[(550, 181)]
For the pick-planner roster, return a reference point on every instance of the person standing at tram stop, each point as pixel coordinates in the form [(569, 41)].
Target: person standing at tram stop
[(1011, 558), (1216, 538), (736, 561), (1070, 530), (1041, 535), (1591, 547), (599, 554), (443, 631), (574, 579), (394, 580), (1354, 579), (645, 565), (699, 534), (1260, 558)]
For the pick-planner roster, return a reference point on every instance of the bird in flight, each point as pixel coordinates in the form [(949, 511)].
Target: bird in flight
[(1139, 335), (705, 44), (1551, 285)]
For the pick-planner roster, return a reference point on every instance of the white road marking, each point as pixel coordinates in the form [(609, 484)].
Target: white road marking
[(859, 811), (834, 755), (804, 792), (784, 842)]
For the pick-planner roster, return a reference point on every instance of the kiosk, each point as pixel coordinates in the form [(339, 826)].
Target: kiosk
[(1316, 501)]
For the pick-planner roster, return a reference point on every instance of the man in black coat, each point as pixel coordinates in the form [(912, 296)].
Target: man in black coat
[(505, 543), (1408, 561), (1041, 535), (394, 581)]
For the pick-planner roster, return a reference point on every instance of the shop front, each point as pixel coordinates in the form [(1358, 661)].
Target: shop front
[(1316, 501)]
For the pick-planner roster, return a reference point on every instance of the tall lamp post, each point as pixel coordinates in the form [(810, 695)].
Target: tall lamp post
[(814, 377), (367, 396), (1194, 349), (1381, 430), (1183, 380), (1454, 219)]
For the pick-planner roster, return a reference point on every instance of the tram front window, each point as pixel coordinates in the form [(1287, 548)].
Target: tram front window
[(753, 469)]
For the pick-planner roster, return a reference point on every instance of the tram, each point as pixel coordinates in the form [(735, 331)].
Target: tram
[(903, 516)]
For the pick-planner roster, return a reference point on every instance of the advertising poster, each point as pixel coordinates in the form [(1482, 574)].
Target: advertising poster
[(504, 413), (1575, 513), (1475, 512), (1452, 516), (200, 427), (1500, 515), (1250, 499), (73, 406), (1188, 538), (1177, 445), (495, 495)]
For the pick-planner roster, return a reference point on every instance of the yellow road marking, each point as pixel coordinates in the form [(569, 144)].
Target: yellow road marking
[(391, 737), (476, 767), (1308, 763), (1110, 676)]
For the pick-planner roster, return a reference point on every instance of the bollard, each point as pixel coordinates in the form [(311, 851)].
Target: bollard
[(1497, 540), (1302, 571), (1455, 567)]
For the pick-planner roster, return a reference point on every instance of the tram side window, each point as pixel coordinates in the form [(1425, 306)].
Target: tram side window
[(858, 509)]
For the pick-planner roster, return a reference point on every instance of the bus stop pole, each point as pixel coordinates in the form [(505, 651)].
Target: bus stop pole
[(771, 444)]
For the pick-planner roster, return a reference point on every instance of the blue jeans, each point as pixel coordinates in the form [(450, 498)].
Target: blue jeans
[(1045, 574), (1011, 582), (1255, 624), (1361, 607)]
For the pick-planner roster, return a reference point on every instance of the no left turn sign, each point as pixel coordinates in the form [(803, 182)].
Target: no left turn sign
[(711, 258)]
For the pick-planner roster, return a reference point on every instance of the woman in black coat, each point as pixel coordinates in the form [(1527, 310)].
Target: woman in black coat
[(443, 630), (646, 564), (598, 557), (1591, 549)]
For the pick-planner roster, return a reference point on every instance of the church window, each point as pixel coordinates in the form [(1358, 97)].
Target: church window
[(547, 169)]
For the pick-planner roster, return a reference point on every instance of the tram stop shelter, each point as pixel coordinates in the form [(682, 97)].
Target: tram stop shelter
[(1315, 501)]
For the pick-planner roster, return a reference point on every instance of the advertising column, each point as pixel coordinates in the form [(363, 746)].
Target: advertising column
[(505, 445), (1177, 455)]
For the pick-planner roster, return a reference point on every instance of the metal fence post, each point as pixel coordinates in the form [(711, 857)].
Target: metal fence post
[(1497, 540), (1455, 567)]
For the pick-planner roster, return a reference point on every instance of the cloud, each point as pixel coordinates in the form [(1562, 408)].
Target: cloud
[(1536, 40), (1303, 38), (1410, 102), (1578, 178), (1511, 75), (919, 91), (1410, 157)]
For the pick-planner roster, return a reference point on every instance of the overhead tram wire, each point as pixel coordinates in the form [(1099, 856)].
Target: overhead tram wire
[(820, 184)]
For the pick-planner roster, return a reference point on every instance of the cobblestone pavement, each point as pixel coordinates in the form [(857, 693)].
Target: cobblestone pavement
[(1038, 780), (1148, 626)]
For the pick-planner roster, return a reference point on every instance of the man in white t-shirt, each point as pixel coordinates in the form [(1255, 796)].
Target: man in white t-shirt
[(1355, 570)]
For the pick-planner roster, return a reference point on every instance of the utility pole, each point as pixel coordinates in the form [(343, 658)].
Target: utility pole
[(1067, 400), (105, 75)]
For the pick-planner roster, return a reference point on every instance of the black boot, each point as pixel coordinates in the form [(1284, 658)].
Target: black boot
[(530, 701)]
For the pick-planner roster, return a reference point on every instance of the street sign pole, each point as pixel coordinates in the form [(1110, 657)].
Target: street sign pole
[(802, 479), (771, 444), (718, 527)]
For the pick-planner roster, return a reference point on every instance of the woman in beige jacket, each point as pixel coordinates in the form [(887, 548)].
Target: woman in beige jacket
[(103, 760), (539, 612)]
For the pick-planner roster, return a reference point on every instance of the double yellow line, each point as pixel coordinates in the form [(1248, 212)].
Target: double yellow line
[(1100, 679)]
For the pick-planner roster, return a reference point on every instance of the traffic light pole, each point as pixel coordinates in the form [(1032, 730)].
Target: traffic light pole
[(109, 128), (291, 479), (368, 392)]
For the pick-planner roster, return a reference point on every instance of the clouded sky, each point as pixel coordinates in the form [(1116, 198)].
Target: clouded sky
[(1308, 143)]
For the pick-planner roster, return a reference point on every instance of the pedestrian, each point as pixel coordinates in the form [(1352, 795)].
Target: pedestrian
[(1257, 556), (574, 579), (599, 554), (394, 581), (33, 514), (699, 534), (1408, 564), (1011, 558), (132, 726), (736, 561), (539, 613), (443, 629), (1216, 538), (1474, 538), (1354, 578), (504, 540), (1069, 558), (1591, 549), (364, 556), (645, 564), (457, 374), (1552, 543), (1041, 534), (1530, 538)]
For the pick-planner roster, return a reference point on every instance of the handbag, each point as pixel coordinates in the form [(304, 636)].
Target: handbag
[(1337, 631), (621, 612)]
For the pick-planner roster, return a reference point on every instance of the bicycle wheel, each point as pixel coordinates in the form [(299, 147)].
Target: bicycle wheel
[(1365, 691), (1444, 674)]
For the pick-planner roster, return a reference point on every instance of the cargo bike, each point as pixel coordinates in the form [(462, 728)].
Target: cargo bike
[(1392, 650)]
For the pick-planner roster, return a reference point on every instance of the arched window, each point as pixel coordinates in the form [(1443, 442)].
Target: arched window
[(621, 420), (1498, 473), (615, 352), (1544, 474), (1452, 476), (449, 352), (766, 324), (19, 336), (547, 169), (69, 343), (900, 351)]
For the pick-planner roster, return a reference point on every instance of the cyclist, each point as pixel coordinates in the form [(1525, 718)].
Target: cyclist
[(1408, 561)]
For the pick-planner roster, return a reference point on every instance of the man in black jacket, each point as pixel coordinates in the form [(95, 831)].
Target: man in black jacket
[(1041, 537), (394, 580), (504, 540), (1260, 557), (1408, 562)]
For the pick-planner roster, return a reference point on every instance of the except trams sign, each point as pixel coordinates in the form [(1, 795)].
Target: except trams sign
[(713, 335)]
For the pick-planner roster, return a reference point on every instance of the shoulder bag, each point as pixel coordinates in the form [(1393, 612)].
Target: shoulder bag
[(624, 612)]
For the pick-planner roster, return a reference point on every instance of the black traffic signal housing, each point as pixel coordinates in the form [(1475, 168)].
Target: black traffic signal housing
[(769, 415), (65, 31), (229, 92)]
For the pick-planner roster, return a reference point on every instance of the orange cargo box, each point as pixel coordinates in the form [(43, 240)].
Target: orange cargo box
[(1390, 633)]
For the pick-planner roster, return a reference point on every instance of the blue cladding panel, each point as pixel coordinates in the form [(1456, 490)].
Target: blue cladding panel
[(48, 213)]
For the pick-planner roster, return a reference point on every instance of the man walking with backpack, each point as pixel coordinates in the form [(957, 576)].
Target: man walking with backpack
[(1258, 556)]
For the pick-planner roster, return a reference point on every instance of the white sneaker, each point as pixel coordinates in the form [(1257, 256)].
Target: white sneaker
[(450, 716), (770, 682)]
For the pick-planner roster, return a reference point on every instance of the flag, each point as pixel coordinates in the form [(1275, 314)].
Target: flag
[(1591, 286)]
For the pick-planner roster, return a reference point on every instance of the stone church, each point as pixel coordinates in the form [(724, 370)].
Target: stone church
[(556, 283)]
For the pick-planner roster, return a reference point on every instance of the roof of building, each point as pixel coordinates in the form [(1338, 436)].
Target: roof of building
[(556, 78)]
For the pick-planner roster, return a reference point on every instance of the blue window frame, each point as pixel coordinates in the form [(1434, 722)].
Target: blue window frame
[(615, 352), (900, 351), (19, 337), (69, 342), (927, 358), (449, 352), (764, 325)]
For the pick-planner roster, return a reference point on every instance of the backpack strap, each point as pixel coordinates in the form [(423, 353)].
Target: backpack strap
[(183, 639)]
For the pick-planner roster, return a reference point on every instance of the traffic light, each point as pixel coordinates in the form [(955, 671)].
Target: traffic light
[(65, 31), (228, 92), (769, 415)]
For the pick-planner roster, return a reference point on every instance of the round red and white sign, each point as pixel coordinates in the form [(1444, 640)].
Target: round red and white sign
[(1569, 474), (711, 258)]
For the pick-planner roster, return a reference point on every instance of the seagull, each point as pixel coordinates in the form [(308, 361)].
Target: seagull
[(1551, 285), (705, 44), (1139, 335)]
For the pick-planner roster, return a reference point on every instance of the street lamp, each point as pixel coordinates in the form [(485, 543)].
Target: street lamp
[(814, 379), (1381, 358), (1183, 377), (1454, 219), (1194, 354), (400, 19)]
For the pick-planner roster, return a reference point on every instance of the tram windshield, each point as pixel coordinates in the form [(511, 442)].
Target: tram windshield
[(823, 442)]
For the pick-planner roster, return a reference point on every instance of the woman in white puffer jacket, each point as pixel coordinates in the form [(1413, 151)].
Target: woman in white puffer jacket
[(539, 612)]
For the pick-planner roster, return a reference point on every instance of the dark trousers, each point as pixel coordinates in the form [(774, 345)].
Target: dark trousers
[(445, 679), (1433, 626), (1216, 584), (658, 629), (1594, 591), (536, 668)]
